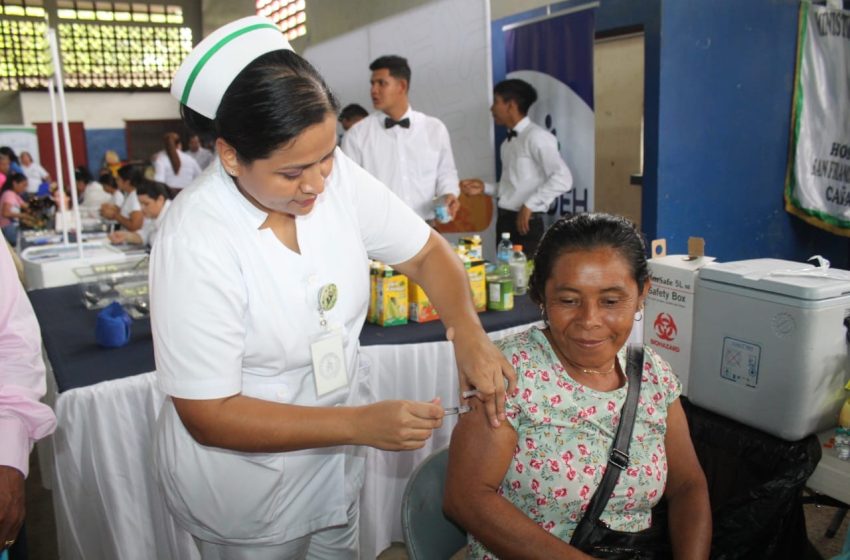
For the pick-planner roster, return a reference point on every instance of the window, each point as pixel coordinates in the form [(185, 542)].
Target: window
[(289, 15), (24, 56), (103, 45)]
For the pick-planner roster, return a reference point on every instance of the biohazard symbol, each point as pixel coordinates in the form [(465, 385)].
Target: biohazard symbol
[(665, 326)]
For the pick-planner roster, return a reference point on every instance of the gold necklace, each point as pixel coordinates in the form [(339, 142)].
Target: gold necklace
[(599, 371)]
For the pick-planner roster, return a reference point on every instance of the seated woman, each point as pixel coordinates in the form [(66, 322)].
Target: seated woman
[(129, 215), (521, 489), (12, 206), (154, 200)]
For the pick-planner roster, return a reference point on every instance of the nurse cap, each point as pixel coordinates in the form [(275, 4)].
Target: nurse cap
[(214, 63)]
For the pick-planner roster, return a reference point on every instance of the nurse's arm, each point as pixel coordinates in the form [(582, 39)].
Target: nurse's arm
[(481, 366), (133, 223), (253, 425), (479, 457)]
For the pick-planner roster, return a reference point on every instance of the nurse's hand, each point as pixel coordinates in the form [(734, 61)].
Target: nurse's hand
[(482, 367), (398, 425)]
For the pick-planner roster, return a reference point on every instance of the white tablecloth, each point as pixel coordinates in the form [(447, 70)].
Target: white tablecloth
[(104, 491)]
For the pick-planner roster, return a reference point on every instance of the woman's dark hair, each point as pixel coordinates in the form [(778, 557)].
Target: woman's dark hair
[(83, 174), (270, 102), (6, 150), (132, 172), (585, 232), (152, 189), (11, 179), (171, 141), (107, 179)]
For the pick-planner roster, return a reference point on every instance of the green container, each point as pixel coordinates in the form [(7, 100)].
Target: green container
[(500, 293)]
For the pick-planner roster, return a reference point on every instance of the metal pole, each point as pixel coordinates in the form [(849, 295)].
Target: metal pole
[(58, 158), (66, 133)]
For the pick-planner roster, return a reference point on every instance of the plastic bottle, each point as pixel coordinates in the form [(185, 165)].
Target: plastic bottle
[(503, 255), (518, 271)]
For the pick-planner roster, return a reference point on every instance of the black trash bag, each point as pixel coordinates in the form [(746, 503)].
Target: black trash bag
[(755, 483)]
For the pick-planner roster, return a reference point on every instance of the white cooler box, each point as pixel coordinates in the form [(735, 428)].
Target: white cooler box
[(770, 346), (53, 265)]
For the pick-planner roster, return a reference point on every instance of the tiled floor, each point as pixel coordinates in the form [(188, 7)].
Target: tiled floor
[(42, 528)]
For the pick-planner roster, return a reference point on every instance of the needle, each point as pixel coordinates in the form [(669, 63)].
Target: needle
[(462, 409)]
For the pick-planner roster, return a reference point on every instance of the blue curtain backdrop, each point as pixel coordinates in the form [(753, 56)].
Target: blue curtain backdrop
[(556, 56)]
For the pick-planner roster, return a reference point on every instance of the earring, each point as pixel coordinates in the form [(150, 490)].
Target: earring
[(543, 316), (639, 314)]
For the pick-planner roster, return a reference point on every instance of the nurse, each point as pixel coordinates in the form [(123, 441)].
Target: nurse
[(259, 282)]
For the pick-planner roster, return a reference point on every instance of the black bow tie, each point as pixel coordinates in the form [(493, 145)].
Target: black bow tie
[(389, 123), (511, 134)]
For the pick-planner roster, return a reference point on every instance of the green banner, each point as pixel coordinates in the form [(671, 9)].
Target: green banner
[(817, 183)]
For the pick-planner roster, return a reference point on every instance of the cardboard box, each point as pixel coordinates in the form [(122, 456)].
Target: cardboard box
[(391, 297), (477, 273), (668, 318), (421, 309)]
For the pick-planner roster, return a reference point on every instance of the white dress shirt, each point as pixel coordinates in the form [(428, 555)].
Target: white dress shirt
[(203, 157), (416, 163), (533, 173), (93, 198), (164, 173), (23, 419), (130, 204), (150, 228), (234, 311), (35, 175)]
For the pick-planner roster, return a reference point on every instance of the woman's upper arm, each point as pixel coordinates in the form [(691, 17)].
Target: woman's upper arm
[(682, 462), (479, 457)]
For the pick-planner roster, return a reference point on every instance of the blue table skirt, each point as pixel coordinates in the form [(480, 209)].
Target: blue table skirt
[(67, 329)]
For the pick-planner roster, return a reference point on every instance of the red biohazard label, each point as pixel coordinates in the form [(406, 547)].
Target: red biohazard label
[(665, 327)]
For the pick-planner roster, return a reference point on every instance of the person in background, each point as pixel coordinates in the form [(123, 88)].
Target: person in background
[(521, 489), (154, 199), (5, 168), (90, 193), (352, 114), (173, 167), (12, 206), (258, 295), (110, 185), (533, 172), (36, 174), (202, 156), (23, 419), (14, 162), (129, 214), (408, 151)]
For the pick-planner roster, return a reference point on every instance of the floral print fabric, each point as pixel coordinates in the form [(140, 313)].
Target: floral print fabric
[(565, 431)]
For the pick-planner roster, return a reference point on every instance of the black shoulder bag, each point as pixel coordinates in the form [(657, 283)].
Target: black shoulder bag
[(594, 537)]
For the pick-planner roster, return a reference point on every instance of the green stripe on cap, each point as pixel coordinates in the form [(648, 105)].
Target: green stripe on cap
[(215, 48)]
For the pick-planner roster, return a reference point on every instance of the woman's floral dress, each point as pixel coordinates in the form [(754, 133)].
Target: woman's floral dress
[(565, 431)]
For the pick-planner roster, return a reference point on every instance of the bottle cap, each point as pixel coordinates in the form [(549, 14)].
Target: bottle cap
[(518, 248), (506, 235)]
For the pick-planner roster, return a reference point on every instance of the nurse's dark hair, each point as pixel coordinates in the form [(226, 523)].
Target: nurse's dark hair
[(520, 92), (152, 189), (132, 172), (270, 102), (585, 232)]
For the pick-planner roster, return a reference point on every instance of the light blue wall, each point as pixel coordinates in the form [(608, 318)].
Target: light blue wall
[(718, 78)]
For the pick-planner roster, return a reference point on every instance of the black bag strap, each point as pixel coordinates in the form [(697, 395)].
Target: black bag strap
[(618, 459)]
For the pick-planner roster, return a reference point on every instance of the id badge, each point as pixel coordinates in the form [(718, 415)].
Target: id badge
[(329, 369)]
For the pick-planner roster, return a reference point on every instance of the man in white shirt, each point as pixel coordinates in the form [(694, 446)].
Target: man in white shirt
[(533, 172), (408, 151), (202, 156)]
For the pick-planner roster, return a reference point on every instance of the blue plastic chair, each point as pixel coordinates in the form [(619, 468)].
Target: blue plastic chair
[(428, 534)]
